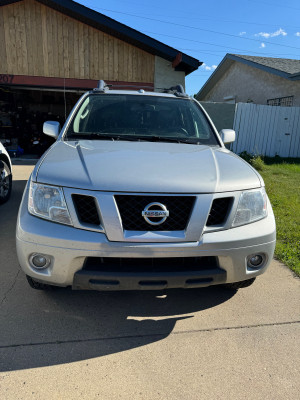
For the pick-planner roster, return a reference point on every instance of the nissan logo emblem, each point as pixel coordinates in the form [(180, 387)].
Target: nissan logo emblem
[(155, 210)]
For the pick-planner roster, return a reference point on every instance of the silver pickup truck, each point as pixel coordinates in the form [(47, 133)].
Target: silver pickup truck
[(139, 192)]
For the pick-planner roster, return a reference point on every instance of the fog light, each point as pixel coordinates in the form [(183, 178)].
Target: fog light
[(39, 261), (255, 260)]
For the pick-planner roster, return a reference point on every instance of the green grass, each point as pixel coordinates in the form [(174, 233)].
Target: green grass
[(282, 179)]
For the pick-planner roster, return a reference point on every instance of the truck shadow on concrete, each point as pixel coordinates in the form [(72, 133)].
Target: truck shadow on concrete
[(41, 329)]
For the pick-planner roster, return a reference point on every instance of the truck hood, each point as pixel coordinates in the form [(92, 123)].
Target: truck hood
[(149, 167)]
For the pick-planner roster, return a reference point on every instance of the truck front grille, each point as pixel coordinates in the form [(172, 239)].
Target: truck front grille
[(219, 211), (173, 264), (86, 209), (131, 207)]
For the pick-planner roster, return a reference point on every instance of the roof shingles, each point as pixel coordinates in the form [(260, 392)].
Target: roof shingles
[(286, 65)]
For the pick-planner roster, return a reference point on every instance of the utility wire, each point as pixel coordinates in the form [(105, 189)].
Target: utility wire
[(250, 51), (200, 29), (194, 41), (208, 43), (207, 17), (284, 5)]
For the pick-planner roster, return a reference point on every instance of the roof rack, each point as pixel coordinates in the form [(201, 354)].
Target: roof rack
[(102, 86), (176, 90)]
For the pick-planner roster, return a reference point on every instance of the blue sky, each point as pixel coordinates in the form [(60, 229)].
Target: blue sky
[(207, 30)]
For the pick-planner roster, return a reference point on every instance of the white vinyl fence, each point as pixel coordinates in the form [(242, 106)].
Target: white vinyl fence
[(267, 130)]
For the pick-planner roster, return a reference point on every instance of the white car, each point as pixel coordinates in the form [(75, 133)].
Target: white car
[(5, 175)]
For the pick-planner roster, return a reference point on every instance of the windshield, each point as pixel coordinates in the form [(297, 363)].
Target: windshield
[(137, 117)]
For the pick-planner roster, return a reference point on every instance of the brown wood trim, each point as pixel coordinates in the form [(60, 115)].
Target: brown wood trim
[(68, 83), (177, 60)]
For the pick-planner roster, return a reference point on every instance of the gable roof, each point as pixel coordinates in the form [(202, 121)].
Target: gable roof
[(182, 61), (283, 67)]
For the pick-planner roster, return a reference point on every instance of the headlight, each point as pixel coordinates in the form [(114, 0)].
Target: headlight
[(48, 202), (252, 207)]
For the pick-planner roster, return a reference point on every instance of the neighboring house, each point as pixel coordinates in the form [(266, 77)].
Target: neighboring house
[(250, 79)]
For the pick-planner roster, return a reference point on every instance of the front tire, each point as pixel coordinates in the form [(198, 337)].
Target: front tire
[(239, 285), (5, 182), (38, 285)]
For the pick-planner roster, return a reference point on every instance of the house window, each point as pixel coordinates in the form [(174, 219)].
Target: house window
[(229, 99), (281, 101)]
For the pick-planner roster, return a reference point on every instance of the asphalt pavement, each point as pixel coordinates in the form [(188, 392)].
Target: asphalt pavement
[(186, 344)]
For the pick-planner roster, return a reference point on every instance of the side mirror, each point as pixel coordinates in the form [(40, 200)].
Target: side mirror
[(51, 128), (227, 135)]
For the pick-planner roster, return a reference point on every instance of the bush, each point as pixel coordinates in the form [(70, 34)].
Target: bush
[(245, 156), (258, 163)]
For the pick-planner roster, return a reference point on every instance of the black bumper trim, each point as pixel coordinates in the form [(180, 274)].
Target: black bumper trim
[(99, 280)]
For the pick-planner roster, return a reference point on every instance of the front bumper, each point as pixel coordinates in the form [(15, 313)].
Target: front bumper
[(69, 247)]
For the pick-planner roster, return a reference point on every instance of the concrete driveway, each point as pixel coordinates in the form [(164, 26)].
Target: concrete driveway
[(196, 344)]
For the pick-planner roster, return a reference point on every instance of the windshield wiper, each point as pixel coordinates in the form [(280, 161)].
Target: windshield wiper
[(132, 138), (102, 136), (154, 138), (108, 136)]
